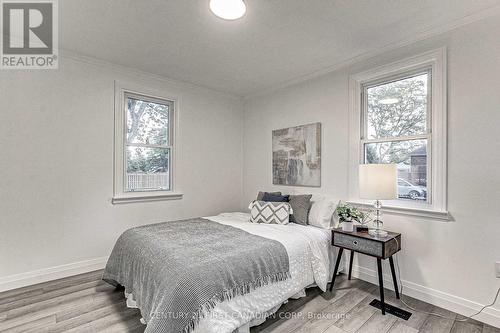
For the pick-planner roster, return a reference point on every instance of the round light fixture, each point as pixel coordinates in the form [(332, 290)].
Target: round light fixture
[(228, 9), (388, 101)]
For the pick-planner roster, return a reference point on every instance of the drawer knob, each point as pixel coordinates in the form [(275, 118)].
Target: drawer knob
[(355, 242)]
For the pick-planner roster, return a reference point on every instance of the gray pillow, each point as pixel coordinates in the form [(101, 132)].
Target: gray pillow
[(260, 196), (301, 204)]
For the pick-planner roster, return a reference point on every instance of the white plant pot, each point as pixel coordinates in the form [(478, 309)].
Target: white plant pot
[(348, 226)]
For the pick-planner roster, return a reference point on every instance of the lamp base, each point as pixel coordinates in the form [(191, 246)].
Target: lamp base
[(378, 233)]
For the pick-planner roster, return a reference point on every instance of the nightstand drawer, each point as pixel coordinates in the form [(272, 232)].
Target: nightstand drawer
[(358, 244)]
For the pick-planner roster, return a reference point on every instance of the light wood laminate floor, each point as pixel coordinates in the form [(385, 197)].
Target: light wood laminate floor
[(84, 303)]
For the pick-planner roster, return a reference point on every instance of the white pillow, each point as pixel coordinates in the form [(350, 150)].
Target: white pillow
[(321, 213)]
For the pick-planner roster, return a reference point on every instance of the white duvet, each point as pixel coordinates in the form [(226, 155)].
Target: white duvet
[(310, 255)]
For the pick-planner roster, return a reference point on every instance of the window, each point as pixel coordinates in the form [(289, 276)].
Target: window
[(398, 116), (395, 115), (144, 146), (147, 143)]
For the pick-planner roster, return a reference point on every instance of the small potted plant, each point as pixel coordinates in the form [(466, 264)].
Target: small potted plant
[(364, 217), (347, 214)]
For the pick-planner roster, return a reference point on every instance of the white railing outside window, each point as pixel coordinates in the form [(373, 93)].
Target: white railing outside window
[(142, 181)]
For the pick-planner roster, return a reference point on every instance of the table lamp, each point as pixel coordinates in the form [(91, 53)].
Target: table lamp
[(378, 182)]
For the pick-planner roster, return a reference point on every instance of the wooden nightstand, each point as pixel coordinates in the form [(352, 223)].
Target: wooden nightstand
[(381, 248)]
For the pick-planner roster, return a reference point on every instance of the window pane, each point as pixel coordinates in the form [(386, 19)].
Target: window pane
[(411, 159), (397, 108), (147, 169), (147, 122)]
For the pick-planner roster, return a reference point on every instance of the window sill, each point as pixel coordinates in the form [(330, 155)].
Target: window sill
[(146, 198), (438, 215)]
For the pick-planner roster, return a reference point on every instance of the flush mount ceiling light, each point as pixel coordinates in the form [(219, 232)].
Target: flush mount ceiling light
[(228, 9), (388, 101)]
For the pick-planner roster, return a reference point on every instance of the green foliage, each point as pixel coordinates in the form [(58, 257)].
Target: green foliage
[(147, 160), (407, 117), (147, 123), (347, 212)]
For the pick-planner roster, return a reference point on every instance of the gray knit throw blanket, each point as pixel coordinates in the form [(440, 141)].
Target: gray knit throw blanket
[(179, 271)]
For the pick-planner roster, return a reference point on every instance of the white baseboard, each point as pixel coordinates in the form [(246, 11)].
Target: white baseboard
[(465, 307), (52, 273)]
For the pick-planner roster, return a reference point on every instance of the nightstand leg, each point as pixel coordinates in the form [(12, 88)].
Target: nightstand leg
[(394, 280), (381, 285), (350, 265), (339, 257)]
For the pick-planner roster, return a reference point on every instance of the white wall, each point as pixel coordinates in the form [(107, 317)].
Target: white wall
[(56, 158), (56, 136), (450, 264)]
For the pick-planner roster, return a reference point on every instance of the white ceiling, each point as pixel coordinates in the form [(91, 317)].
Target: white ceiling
[(276, 42)]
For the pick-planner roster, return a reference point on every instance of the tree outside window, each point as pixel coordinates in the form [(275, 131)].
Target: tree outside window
[(147, 145), (396, 130)]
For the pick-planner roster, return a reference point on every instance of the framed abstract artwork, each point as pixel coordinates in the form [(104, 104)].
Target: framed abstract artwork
[(297, 156)]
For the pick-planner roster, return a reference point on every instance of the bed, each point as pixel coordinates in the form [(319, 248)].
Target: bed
[(310, 259)]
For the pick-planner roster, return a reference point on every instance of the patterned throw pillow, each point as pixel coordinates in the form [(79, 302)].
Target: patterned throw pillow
[(270, 212)]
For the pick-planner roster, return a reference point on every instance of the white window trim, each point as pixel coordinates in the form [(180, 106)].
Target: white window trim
[(436, 60), (119, 194)]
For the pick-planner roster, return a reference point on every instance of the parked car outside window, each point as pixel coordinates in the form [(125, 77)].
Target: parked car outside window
[(407, 190)]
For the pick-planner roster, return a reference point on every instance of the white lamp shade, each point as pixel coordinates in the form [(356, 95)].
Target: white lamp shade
[(378, 181)]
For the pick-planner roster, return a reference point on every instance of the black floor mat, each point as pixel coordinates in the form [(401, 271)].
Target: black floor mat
[(400, 313)]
